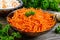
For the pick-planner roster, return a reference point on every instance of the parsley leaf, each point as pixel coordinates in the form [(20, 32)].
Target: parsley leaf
[(57, 30), (6, 28), (4, 33), (11, 38), (29, 13), (16, 34)]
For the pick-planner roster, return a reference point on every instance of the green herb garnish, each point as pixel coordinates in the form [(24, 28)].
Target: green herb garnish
[(29, 13), (4, 35), (57, 30)]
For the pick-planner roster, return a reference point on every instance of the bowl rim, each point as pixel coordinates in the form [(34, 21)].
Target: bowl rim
[(21, 3)]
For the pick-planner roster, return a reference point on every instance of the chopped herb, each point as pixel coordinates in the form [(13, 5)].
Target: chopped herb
[(29, 13)]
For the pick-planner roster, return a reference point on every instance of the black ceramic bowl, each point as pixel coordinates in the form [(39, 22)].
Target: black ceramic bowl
[(28, 34), (4, 12)]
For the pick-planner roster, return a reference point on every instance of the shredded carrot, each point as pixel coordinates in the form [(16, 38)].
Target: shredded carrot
[(39, 22)]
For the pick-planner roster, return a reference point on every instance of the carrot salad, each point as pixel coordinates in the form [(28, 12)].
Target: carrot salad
[(39, 22)]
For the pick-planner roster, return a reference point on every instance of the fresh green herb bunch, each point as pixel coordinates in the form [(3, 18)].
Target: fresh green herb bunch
[(54, 5), (57, 30), (30, 3), (4, 35), (44, 4), (29, 13)]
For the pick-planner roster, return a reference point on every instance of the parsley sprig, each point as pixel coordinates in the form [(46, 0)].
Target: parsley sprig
[(57, 30), (29, 13), (4, 35)]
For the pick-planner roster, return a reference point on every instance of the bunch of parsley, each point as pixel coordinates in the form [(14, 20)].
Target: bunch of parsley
[(4, 35), (44, 4), (30, 3)]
